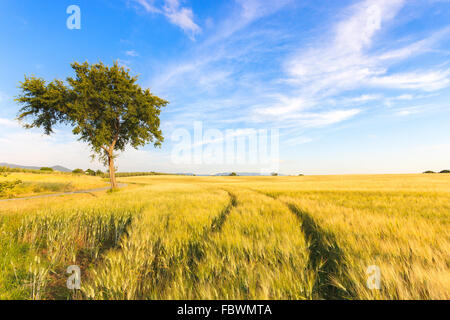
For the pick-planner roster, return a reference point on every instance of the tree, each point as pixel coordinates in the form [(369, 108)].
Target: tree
[(429, 171), (90, 172), (445, 171), (233, 174), (104, 105), (78, 171), (47, 169)]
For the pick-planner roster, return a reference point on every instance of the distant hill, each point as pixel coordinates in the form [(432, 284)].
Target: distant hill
[(249, 174), (61, 168), (56, 168)]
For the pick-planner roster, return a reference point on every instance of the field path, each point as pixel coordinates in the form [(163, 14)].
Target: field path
[(217, 224), (120, 185), (255, 250), (325, 256), (198, 249)]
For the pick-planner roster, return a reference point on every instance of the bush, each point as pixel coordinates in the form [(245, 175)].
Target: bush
[(8, 169), (233, 174), (274, 174), (78, 171), (4, 169), (99, 173), (7, 187), (445, 171), (429, 171), (46, 169)]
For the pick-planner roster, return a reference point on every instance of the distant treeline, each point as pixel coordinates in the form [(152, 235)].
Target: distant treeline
[(134, 174), (443, 171), (99, 173), (42, 171)]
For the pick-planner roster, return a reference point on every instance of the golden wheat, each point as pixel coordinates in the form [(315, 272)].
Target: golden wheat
[(172, 237)]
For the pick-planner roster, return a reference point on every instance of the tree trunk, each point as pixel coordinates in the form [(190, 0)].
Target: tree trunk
[(112, 172)]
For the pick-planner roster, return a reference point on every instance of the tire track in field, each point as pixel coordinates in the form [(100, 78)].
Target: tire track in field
[(57, 288), (216, 226), (218, 222), (163, 272), (197, 249), (194, 252), (326, 259)]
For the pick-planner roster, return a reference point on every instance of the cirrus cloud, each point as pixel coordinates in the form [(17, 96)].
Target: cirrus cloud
[(178, 15)]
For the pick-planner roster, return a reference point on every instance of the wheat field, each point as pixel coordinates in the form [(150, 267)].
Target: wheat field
[(175, 237), (32, 184)]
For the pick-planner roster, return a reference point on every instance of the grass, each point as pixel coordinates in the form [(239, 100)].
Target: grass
[(37, 184), (173, 237)]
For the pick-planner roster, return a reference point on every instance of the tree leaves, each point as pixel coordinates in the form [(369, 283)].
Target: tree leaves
[(104, 105)]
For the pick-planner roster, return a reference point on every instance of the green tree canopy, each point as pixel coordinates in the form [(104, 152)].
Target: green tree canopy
[(104, 105), (90, 172)]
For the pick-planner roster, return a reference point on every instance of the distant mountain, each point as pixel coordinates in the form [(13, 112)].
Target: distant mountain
[(61, 168), (56, 168)]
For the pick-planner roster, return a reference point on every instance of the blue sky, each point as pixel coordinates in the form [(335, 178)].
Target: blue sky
[(352, 86)]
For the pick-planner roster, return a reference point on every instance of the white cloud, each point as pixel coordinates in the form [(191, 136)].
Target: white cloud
[(7, 123), (326, 118), (404, 97), (366, 97), (340, 63), (182, 17), (176, 14), (362, 99), (419, 47), (219, 47), (408, 111), (255, 9), (331, 66), (249, 11), (131, 53), (420, 80), (343, 62), (148, 5), (352, 56), (306, 119), (286, 106), (296, 141)]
